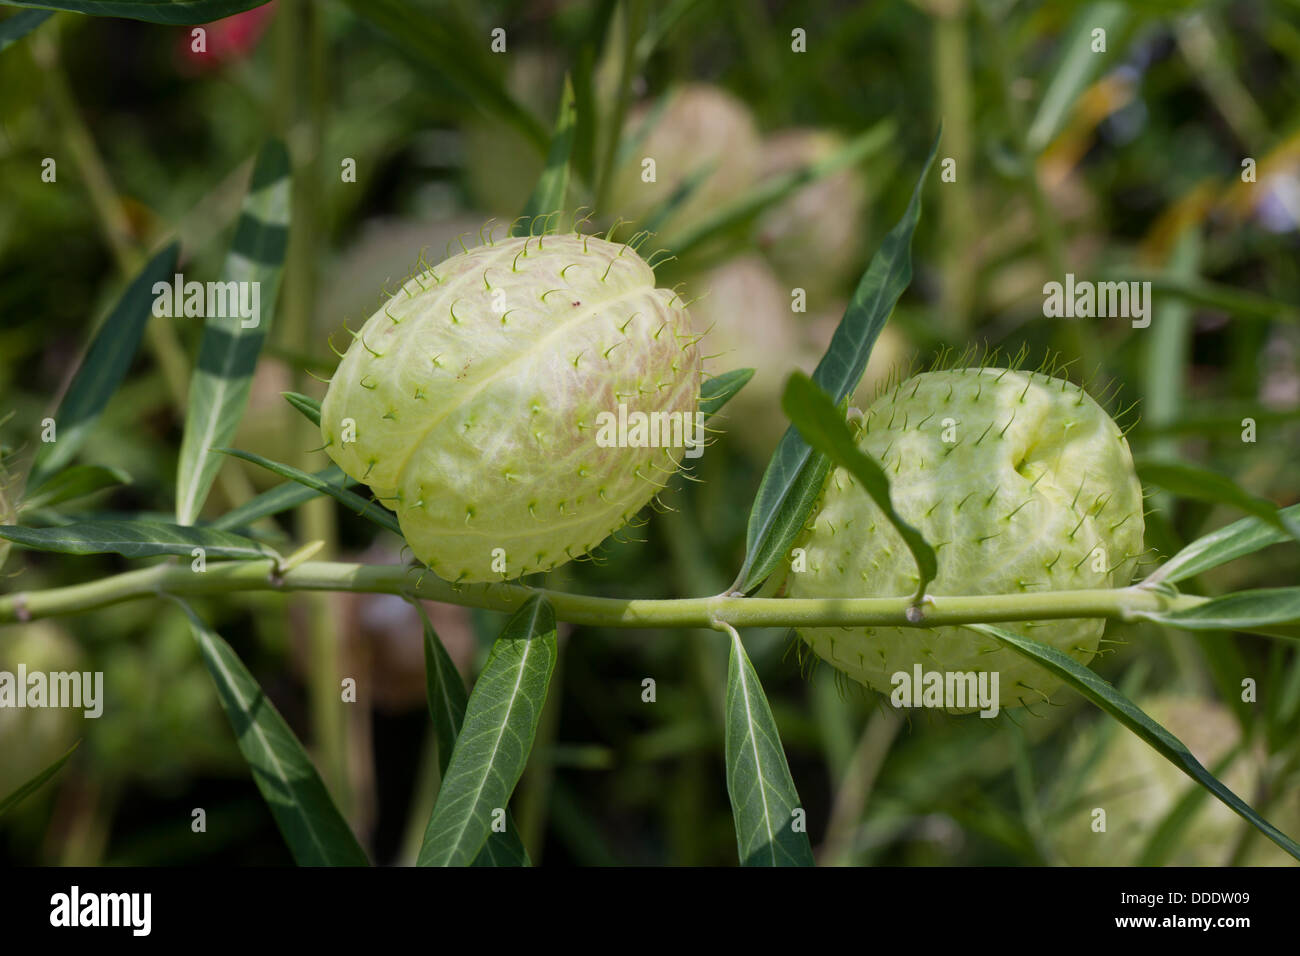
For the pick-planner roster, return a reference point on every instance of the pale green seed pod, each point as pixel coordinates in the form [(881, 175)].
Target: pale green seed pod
[(1021, 482), (473, 403), (1137, 789), (703, 130), (814, 237)]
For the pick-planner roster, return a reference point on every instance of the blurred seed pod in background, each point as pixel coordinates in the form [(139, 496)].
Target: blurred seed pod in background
[(699, 127), (32, 738), (814, 238), (1138, 789)]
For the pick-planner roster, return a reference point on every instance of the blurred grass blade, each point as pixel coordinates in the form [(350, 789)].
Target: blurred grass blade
[(316, 832), (763, 795), (1077, 67), (366, 509), (152, 11), (445, 693), (1201, 484), (137, 539), (745, 208), (72, 483), (14, 28), (35, 783), (493, 745), (1122, 709), (717, 391), (794, 476), (1227, 544), (309, 407), (663, 213), (228, 350), (280, 498), (1273, 611), (1213, 295), (106, 364), (823, 426), (452, 53), (551, 193)]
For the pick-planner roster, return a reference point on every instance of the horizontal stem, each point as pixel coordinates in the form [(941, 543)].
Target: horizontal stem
[(233, 576)]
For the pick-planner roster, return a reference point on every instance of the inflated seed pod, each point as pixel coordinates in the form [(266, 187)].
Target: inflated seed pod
[(1020, 481), (476, 402)]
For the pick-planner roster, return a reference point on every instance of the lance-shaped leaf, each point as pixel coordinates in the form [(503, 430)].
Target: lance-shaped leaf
[(1273, 611), (311, 824), (309, 407), (1201, 484), (73, 483), (25, 790), (764, 802), (823, 427), (152, 11), (493, 745), (1227, 544), (14, 28), (231, 342), (366, 509), (1127, 713), (282, 498), (106, 364), (137, 539), (717, 391), (552, 189), (445, 693), (795, 474)]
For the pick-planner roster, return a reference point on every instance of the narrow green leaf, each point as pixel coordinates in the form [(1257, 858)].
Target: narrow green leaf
[(366, 509), (1201, 484), (552, 190), (717, 391), (745, 208), (823, 426), (1168, 834), (35, 783), (230, 345), (137, 539), (444, 48), (1227, 544), (14, 28), (1239, 303), (1122, 709), (794, 476), (316, 832), (106, 364), (493, 746), (1076, 68), (309, 407), (1266, 610), (447, 700), (445, 692), (662, 214), (152, 11), (764, 801), (280, 498), (72, 483)]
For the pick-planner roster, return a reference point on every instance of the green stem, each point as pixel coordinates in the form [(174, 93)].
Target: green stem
[(233, 576)]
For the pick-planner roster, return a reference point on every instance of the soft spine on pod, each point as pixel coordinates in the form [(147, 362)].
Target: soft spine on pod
[(469, 401), (1020, 481)]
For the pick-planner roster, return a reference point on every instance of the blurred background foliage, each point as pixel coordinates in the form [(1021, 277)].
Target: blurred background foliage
[(1116, 164)]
